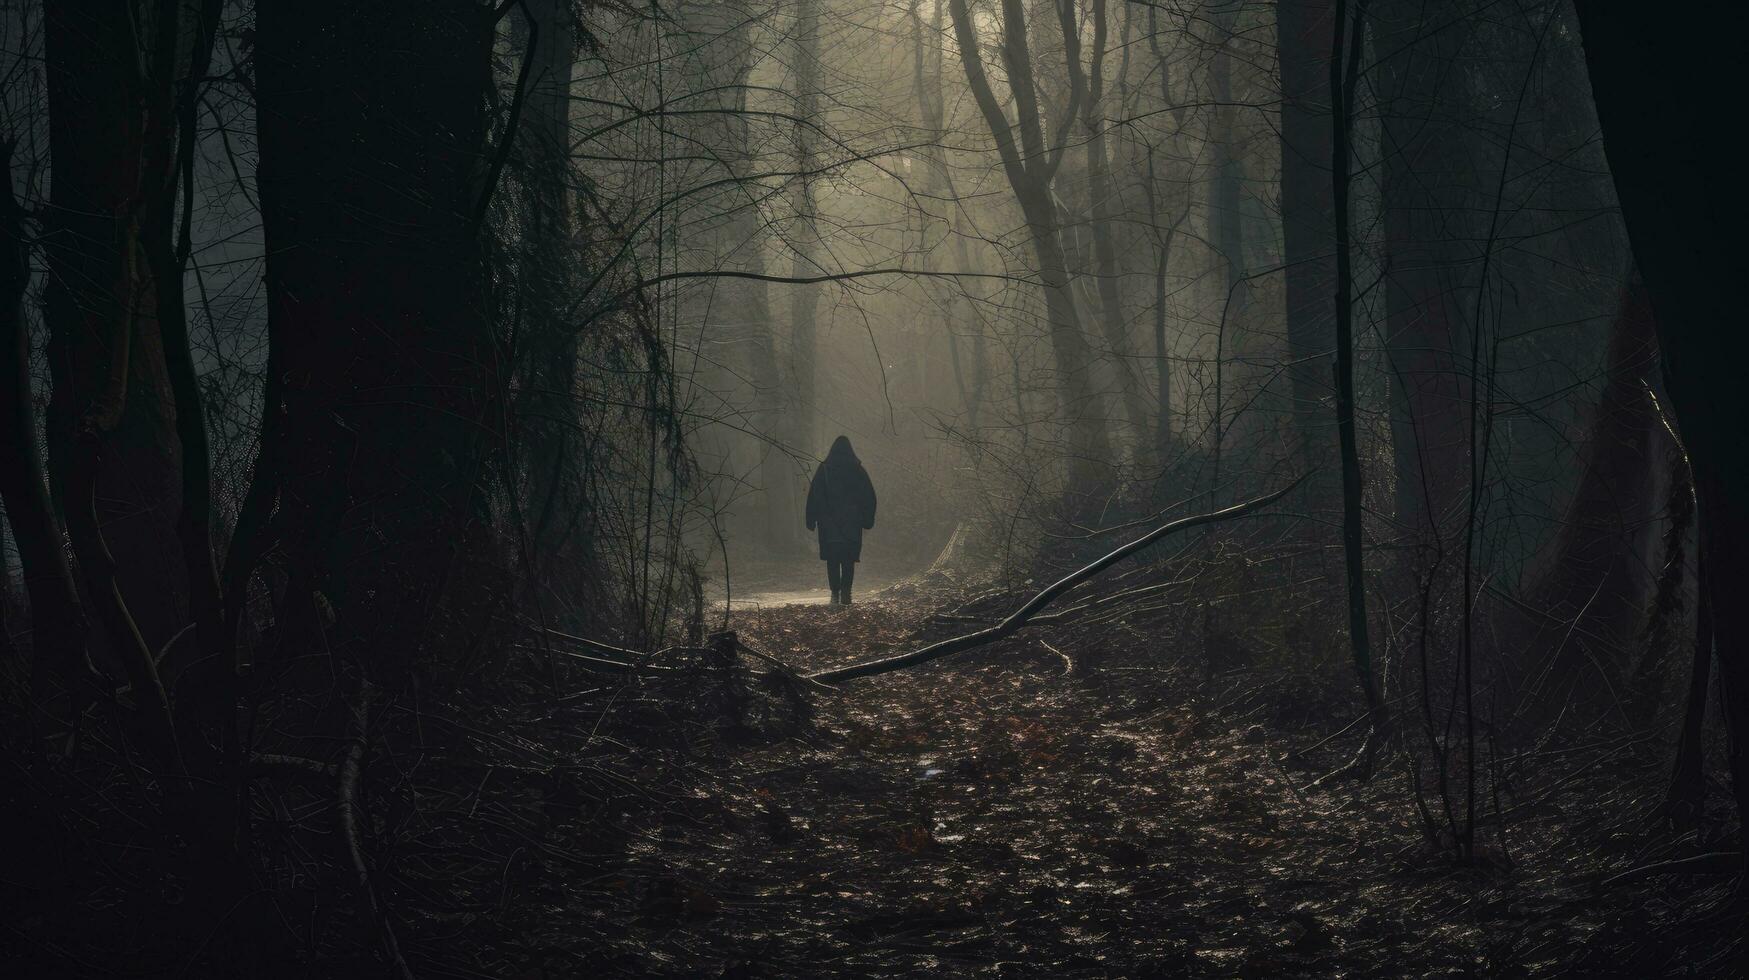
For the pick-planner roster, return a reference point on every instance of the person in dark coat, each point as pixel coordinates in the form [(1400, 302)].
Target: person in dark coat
[(841, 505)]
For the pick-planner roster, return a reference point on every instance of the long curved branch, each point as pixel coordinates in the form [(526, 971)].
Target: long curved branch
[(1031, 607)]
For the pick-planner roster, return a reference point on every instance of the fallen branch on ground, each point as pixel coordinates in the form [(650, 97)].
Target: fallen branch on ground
[(783, 669), (613, 658), (1068, 664), (1027, 611), (1714, 863), (347, 808), (632, 661), (273, 763)]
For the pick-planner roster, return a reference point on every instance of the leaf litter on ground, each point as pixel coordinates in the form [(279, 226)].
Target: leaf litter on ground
[(1000, 815)]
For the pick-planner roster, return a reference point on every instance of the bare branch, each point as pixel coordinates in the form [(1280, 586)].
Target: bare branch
[(1019, 617)]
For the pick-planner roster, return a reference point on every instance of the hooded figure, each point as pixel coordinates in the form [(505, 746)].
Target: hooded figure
[(841, 505)]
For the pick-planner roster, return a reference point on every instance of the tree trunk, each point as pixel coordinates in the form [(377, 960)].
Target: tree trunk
[(1303, 42), (546, 355), (1163, 238), (1226, 211), (56, 615), (1105, 207), (111, 426), (939, 189), (1030, 165), (212, 691), (369, 175), (1661, 88), (1597, 565), (773, 394), (805, 297), (1685, 799), (1342, 73)]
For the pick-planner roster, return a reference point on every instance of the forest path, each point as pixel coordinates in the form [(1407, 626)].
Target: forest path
[(1002, 814), (801, 582)]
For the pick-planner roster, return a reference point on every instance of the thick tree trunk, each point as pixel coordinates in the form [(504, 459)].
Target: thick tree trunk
[(1226, 190), (1083, 406), (111, 426), (1303, 42), (370, 164), (546, 355), (1597, 567), (167, 244), (1685, 800), (1661, 88), (56, 615), (110, 144)]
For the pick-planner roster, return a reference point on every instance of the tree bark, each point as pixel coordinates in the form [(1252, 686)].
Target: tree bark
[(546, 354), (370, 162), (1304, 39), (213, 691), (57, 617), (1226, 211), (1343, 69), (111, 425), (110, 67), (1662, 86), (1597, 565)]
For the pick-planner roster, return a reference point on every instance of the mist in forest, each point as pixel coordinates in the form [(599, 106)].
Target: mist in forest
[(1041, 488)]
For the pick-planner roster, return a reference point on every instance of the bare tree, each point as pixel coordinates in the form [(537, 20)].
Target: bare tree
[(1345, 58), (1104, 208), (1030, 160), (805, 242)]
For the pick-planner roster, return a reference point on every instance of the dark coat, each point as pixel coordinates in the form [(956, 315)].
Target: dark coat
[(841, 505)]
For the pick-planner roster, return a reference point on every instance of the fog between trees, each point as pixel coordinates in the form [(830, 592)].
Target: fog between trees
[(405, 397)]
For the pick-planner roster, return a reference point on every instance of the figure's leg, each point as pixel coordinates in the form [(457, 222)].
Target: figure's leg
[(846, 577), (834, 572)]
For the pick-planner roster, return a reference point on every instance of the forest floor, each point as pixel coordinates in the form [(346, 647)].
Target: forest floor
[(1037, 809)]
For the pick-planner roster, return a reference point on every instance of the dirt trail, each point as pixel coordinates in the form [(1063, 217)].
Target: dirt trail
[(776, 584), (1022, 813)]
